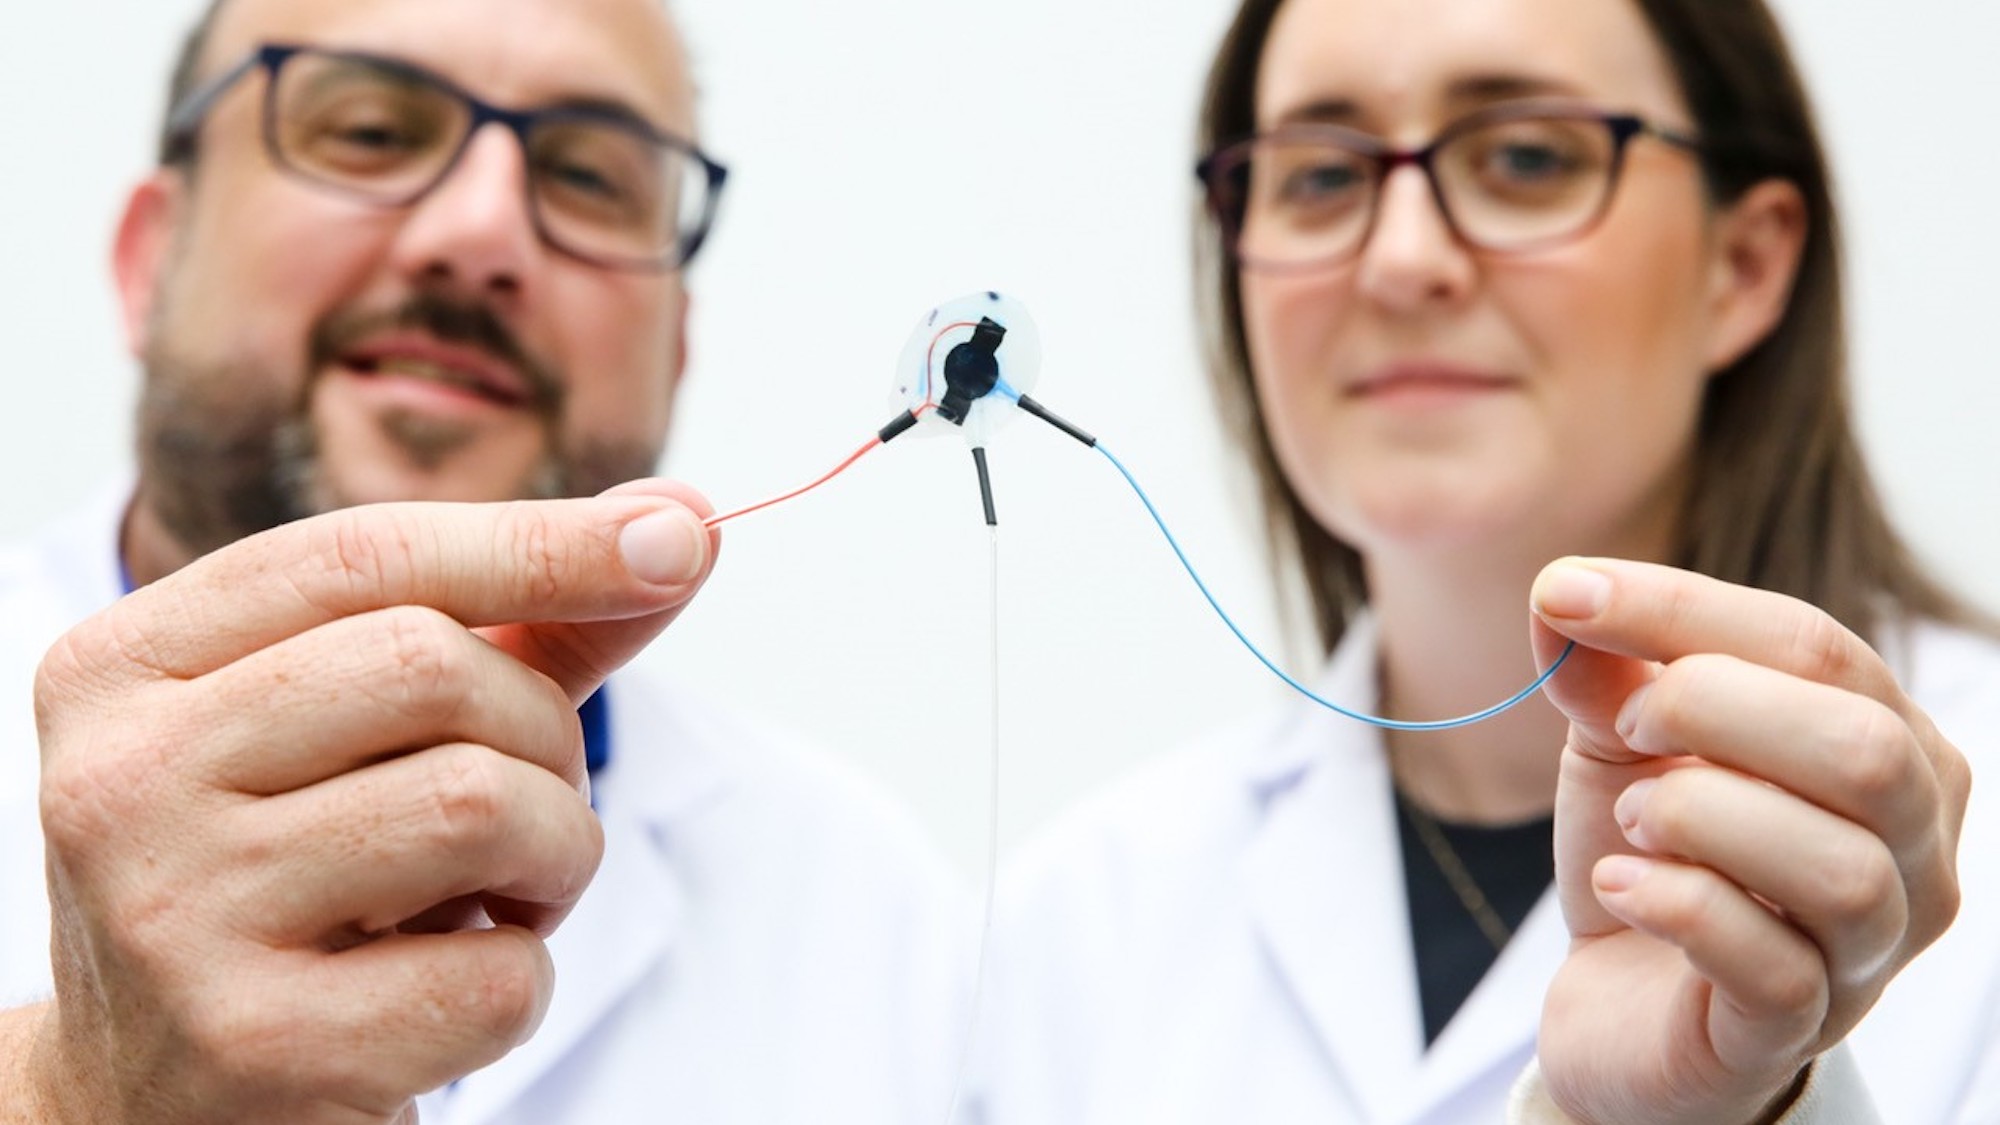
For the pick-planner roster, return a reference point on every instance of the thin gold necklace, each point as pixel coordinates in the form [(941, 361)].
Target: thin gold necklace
[(1457, 875)]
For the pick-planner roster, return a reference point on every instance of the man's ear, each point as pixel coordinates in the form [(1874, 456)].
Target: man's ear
[(140, 251), (1758, 241)]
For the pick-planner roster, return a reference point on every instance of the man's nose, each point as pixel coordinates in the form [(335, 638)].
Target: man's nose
[(1412, 258), (474, 233)]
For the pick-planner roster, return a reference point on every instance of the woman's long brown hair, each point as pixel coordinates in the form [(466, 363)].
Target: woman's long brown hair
[(1781, 498)]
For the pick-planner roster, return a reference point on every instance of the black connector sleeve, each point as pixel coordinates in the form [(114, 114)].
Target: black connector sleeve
[(896, 428), (985, 485), (1043, 412)]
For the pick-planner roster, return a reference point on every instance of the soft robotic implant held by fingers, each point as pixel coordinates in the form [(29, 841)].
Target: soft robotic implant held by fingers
[(967, 363), (966, 366), (969, 366), (980, 384)]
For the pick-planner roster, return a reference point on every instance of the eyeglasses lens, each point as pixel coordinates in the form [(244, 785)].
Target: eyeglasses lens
[(600, 188), (364, 127), (607, 191), (1519, 183)]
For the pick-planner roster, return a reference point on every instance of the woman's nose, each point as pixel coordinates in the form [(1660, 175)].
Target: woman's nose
[(1413, 257)]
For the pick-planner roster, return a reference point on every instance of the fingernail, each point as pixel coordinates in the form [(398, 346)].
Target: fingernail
[(1628, 715), (1616, 874), (1630, 807), (1571, 590), (667, 548)]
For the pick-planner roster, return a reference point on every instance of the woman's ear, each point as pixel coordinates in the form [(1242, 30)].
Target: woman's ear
[(1757, 243), (140, 250)]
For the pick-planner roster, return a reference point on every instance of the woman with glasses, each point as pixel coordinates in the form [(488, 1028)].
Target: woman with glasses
[(1528, 316)]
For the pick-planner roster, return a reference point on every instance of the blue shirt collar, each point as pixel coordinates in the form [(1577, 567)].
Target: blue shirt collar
[(595, 714)]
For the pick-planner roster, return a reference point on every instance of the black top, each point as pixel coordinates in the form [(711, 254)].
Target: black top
[(1512, 865)]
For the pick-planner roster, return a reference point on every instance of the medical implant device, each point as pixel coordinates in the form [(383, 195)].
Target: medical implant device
[(970, 364)]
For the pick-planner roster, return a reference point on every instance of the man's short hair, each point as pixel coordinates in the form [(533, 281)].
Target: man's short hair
[(176, 150), (187, 75)]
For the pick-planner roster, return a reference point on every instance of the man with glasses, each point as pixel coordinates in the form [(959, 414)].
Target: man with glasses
[(313, 794)]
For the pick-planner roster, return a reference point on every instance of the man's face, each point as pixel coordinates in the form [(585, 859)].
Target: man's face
[(306, 351)]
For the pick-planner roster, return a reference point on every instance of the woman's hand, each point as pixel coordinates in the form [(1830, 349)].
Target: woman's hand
[(1756, 829)]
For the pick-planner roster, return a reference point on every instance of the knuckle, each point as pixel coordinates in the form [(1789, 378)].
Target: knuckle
[(1878, 762), (426, 654), (1933, 911), (506, 999), (60, 679), (1796, 985), (1827, 651), (1672, 807), (86, 662), (88, 800), (1676, 696), (467, 808), (1686, 904), (1679, 607), (547, 560), (361, 555), (1954, 776), (1859, 883), (587, 849)]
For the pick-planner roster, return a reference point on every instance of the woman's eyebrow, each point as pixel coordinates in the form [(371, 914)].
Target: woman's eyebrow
[(1323, 111), (1482, 89), (1472, 90)]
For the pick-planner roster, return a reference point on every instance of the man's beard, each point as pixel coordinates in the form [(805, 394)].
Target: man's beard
[(227, 450)]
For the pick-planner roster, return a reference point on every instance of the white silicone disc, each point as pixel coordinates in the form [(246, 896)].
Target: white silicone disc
[(920, 372)]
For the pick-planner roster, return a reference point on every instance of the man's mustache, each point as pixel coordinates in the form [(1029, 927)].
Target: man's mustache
[(473, 324)]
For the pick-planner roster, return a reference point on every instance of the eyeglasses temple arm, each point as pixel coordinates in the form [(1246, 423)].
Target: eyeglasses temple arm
[(1675, 137), (186, 118)]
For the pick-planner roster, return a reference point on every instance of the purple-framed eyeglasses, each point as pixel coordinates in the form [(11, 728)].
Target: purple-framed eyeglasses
[(1511, 178)]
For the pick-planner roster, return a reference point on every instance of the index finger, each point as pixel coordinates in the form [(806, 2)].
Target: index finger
[(607, 558)]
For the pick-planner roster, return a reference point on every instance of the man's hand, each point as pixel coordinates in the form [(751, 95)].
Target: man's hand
[(1755, 830), (313, 802)]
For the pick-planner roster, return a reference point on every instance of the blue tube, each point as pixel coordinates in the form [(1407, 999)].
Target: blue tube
[(1374, 720)]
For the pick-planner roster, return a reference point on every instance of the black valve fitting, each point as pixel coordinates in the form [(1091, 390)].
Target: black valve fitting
[(971, 371)]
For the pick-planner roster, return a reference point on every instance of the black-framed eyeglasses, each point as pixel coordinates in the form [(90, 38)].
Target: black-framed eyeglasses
[(1515, 177), (603, 185)]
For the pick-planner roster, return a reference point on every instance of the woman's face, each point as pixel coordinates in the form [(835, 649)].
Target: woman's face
[(1425, 395)]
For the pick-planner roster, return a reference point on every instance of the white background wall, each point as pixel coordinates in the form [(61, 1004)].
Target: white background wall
[(902, 152)]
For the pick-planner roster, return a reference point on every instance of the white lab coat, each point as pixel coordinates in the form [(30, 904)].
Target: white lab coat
[(1224, 938), (767, 942)]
